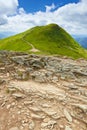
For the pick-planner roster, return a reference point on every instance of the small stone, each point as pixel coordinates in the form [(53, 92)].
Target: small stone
[(45, 129), (21, 127), (61, 126), (2, 81), (8, 74), (13, 116), (31, 125), (46, 119), (50, 124), (50, 113), (8, 106), (67, 128), (28, 102), (56, 116), (67, 115), (45, 105), (18, 95), (20, 107), (23, 121), (82, 107), (13, 104), (37, 116), (3, 104), (14, 128), (55, 79), (35, 109), (19, 112)]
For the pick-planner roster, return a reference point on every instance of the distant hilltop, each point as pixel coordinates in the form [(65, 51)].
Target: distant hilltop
[(45, 40)]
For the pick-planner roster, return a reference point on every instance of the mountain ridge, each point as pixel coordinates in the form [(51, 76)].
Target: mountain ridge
[(50, 40)]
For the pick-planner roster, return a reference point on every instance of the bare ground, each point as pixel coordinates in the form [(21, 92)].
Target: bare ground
[(32, 105)]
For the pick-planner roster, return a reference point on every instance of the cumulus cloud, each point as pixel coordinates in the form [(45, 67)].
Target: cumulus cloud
[(9, 7), (49, 8), (72, 17), (3, 20), (6, 9)]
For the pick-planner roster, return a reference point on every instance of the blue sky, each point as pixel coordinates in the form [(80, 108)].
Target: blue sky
[(19, 15), (36, 5)]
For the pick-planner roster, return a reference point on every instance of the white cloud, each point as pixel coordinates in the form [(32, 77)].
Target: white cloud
[(49, 8), (3, 19), (21, 11), (72, 17), (8, 7)]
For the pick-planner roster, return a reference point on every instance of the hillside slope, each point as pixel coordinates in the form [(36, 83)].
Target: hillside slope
[(50, 39)]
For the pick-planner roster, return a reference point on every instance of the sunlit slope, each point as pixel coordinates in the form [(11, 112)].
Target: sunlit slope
[(50, 39)]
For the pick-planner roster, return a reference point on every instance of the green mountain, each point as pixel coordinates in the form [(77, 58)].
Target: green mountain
[(50, 40)]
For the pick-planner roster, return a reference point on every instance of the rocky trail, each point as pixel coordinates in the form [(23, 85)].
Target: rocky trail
[(42, 93)]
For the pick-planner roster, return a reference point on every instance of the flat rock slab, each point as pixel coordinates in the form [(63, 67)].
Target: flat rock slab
[(67, 115)]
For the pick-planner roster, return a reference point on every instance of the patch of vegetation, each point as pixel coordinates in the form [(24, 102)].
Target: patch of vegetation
[(50, 40), (14, 43)]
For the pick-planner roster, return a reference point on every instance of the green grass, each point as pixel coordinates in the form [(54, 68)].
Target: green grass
[(50, 40), (14, 43)]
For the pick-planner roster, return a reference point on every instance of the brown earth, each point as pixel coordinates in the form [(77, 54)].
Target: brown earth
[(42, 93)]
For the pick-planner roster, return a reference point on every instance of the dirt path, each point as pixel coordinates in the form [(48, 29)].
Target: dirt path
[(32, 46)]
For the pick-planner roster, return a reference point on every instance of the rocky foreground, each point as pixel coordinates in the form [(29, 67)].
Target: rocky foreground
[(42, 93)]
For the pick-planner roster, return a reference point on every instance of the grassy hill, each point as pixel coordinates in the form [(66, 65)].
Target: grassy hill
[(50, 40)]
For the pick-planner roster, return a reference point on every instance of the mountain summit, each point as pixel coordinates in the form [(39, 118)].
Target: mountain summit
[(50, 40)]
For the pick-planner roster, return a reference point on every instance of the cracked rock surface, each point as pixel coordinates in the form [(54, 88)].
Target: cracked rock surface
[(42, 92)]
